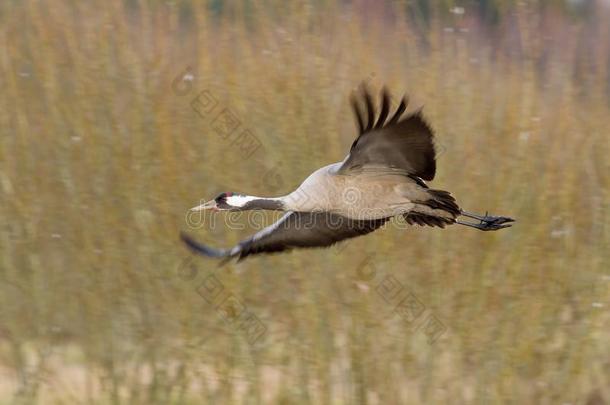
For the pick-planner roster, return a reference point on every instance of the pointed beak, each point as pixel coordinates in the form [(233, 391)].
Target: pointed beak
[(210, 205)]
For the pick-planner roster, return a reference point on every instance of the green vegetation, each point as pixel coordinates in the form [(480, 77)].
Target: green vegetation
[(101, 155)]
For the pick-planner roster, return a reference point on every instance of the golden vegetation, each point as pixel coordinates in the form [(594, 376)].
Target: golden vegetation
[(101, 155)]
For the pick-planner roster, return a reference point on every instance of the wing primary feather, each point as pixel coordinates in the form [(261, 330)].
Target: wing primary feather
[(401, 109), (370, 109), (203, 249), (385, 108), (358, 113)]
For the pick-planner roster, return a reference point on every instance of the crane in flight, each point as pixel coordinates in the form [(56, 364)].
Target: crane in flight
[(383, 176)]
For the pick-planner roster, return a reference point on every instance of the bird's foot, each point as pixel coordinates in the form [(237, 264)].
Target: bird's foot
[(487, 222)]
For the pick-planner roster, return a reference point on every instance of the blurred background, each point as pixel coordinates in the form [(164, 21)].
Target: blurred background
[(117, 116)]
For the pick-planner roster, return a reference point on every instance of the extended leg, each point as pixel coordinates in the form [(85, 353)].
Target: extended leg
[(486, 222)]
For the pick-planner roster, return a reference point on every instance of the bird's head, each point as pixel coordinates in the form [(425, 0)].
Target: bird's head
[(226, 202)]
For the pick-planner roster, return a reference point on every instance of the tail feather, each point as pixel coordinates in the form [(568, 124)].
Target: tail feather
[(439, 210), (416, 218), (443, 200)]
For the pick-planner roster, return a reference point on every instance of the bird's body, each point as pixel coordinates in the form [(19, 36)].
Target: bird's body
[(382, 177), (372, 193)]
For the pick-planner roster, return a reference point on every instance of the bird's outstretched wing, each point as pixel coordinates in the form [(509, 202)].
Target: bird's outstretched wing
[(405, 144), (293, 230)]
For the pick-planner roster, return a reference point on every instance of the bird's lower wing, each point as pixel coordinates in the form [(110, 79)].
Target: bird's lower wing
[(293, 230)]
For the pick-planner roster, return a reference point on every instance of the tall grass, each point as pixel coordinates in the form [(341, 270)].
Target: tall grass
[(101, 155)]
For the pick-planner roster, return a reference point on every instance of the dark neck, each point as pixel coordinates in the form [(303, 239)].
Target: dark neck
[(272, 204)]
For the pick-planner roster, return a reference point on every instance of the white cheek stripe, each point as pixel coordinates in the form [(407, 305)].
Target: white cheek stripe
[(240, 200)]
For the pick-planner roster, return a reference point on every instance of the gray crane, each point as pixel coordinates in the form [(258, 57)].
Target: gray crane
[(382, 177)]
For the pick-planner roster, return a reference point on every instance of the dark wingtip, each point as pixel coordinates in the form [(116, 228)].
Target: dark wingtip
[(370, 110), (399, 111), (358, 114), (201, 248), (385, 107)]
